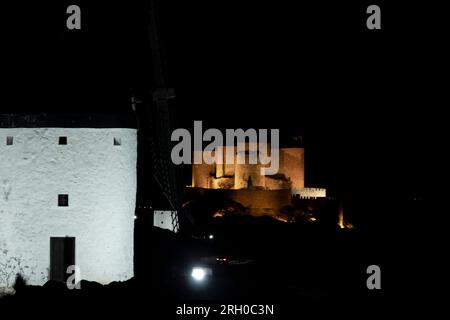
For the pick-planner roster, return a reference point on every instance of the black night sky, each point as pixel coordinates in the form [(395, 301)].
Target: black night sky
[(368, 103)]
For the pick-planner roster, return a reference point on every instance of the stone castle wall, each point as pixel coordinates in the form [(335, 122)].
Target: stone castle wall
[(257, 202), (217, 176)]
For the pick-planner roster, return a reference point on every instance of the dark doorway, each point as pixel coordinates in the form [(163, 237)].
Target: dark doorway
[(62, 255)]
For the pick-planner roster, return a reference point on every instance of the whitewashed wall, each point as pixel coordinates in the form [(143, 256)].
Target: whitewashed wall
[(100, 179), (163, 219)]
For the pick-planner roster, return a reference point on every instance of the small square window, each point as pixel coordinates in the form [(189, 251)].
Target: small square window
[(63, 200), (9, 141), (117, 141), (62, 140)]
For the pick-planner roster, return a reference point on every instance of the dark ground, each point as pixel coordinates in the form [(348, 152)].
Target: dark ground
[(302, 270)]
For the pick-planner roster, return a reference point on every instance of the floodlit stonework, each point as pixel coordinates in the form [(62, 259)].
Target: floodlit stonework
[(244, 183), (225, 175), (310, 193)]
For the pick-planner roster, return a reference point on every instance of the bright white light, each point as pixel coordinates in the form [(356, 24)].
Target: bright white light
[(198, 273), (211, 236), (135, 217)]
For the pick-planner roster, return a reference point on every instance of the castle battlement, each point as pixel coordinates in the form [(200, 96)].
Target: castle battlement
[(310, 193)]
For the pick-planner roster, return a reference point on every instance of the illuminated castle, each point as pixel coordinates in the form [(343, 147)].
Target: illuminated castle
[(244, 183)]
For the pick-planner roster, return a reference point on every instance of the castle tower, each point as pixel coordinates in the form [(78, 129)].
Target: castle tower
[(292, 165)]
